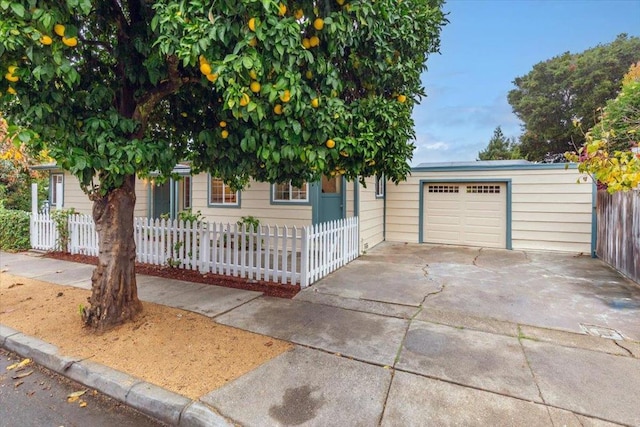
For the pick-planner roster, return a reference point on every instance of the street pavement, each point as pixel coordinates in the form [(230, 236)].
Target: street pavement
[(40, 399), (406, 335)]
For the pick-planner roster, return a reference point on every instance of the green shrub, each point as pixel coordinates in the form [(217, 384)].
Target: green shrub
[(14, 232)]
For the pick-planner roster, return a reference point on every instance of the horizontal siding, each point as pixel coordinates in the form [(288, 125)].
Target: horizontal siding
[(142, 198), (371, 216), (254, 201), (550, 210), (74, 197)]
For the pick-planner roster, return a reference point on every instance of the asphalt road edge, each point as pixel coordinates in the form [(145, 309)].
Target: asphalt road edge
[(154, 401)]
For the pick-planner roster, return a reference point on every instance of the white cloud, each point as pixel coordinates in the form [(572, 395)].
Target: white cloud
[(436, 146)]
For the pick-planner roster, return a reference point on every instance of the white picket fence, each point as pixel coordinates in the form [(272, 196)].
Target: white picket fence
[(271, 253)]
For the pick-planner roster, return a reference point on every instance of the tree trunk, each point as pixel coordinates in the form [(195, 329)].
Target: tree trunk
[(114, 294)]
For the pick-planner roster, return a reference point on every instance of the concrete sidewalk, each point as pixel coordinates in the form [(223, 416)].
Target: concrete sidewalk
[(384, 341)]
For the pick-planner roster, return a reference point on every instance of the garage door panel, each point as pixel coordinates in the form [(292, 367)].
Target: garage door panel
[(471, 214), (443, 236), (444, 219)]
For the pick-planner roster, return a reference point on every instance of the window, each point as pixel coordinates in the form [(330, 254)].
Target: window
[(444, 189), (186, 192), (379, 186), (483, 189), (287, 192), (56, 178), (220, 194)]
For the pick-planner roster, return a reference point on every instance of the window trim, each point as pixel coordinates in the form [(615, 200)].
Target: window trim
[(380, 186), (223, 204), (289, 202), (52, 185), (187, 201)]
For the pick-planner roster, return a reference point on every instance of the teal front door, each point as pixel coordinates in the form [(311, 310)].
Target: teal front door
[(331, 206), (161, 200)]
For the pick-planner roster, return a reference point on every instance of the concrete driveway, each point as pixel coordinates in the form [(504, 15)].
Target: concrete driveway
[(428, 335)]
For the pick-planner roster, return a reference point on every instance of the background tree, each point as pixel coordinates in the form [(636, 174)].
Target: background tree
[(500, 147), (15, 175), (272, 90), (611, 153), (565, 88)]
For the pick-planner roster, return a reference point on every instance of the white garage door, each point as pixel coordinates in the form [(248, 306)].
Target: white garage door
[(470, 214)]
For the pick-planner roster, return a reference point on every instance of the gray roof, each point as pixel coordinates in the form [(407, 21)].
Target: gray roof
[(476, 163)]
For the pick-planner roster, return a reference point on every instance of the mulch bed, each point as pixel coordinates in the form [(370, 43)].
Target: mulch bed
[(268, 288)]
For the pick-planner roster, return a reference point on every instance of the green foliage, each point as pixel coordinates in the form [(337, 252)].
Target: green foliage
[(15, 186), (249, 223), (500, 147), (610, 154), (188, 216), (14, 233), (130, 96), (61, 219), (565, 88)]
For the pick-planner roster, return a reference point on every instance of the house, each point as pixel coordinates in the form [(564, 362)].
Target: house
[(273, 204), (510, 204)]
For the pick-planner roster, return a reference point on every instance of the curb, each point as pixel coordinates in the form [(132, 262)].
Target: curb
[(154, 401)]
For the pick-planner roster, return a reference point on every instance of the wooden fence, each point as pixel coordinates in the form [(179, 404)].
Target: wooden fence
[(272, 253), (618, 238)]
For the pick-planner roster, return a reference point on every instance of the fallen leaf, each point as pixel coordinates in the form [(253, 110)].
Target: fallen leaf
[(83, 404), (72, 399), (268, 344), (18, 384), (19, 365), (77, 393), (22, 375)]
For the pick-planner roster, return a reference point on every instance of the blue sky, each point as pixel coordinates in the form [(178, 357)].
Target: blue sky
[(485, 46)]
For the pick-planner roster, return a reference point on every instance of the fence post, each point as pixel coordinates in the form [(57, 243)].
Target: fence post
[(34, 213), (304, 258)]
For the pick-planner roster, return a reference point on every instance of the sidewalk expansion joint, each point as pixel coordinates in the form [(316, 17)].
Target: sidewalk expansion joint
[(616, 342), (475, 259), (386, 397), (526, 359)]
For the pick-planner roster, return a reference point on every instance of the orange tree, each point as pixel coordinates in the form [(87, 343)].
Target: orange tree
[(269, 90)]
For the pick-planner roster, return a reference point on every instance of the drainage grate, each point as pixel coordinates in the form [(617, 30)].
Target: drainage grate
[(601, 331)]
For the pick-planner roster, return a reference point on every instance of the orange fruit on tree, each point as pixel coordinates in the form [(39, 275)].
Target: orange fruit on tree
[(253, 75), (308, 74), (318, 24), (11, 90), (253, 42), (59, 29), (11, 77), (340, 2), (12, 69), (252, 24), (244, 101), (205, 68), (298, 14), (223, 124), (315, 102), (282, 9), (46, 40), (401, 99), (286, 96), (71, 42), (224, 134), (277, 109), (212, 77), (306, 43), (330, 143), (314, 41), (255, 87)]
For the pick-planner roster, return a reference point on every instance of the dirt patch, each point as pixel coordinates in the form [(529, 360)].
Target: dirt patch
[(178, 350), (268, 288)]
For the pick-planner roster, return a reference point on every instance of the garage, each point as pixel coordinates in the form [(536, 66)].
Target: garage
[(510, 204), (465, 213)]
